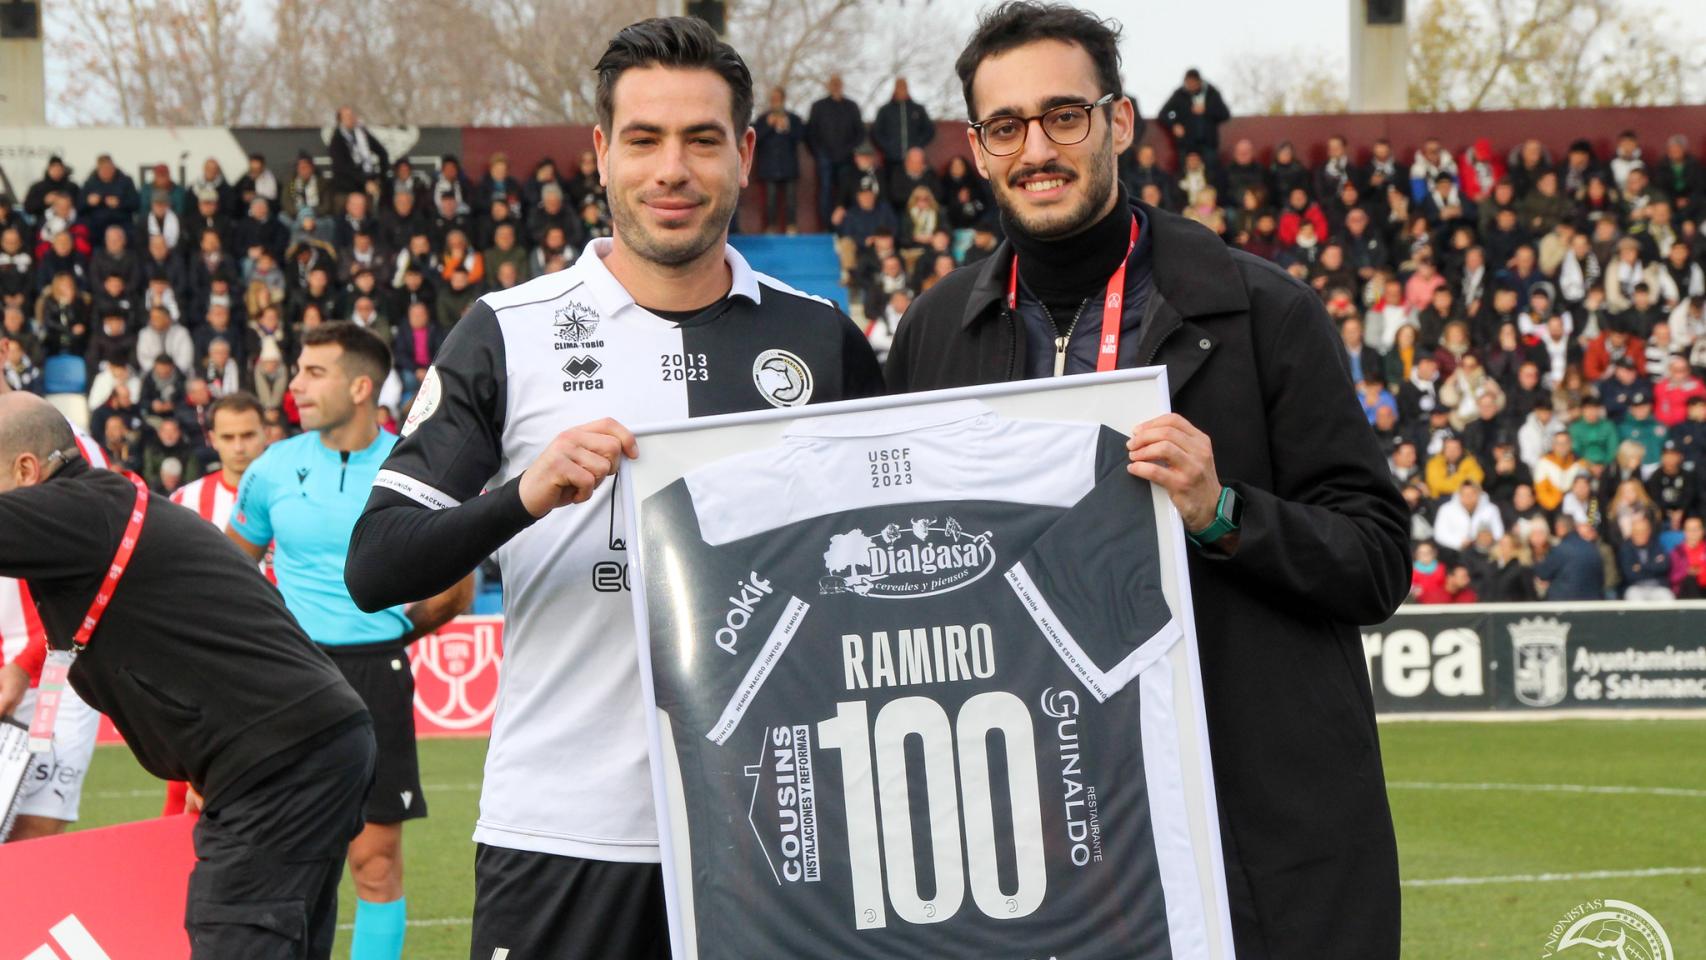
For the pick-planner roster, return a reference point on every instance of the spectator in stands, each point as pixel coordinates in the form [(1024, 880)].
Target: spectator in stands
[(504, 249), (1688, 561), (1430, 163), (62, 316), (457, 296), (1638, 426), (162, 336), (109, 197), (18, 368), (414, 348), (497, 186), (359, 160), (901, 124), (586, 186), (55, 179), (552, 211), (1451, 468), (272, 377), (834, 128), (258, 181), (212, 183), (1481, 170), (1462, 517), (458, 254), (1427, 575), (119, 446), (451, 183), (1193, 115), (168, 443), (776, 162), (1574, 569)]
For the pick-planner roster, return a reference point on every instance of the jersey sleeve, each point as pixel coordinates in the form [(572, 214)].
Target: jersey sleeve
[(452, 440), (717, 624), (253, 517), (1092, 582), (861, 375)]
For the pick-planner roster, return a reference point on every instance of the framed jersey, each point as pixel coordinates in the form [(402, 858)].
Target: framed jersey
[(921, 680)]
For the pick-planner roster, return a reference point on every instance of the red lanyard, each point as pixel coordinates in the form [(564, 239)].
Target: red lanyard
[(57, 668), (1108, 353), (115, 573)]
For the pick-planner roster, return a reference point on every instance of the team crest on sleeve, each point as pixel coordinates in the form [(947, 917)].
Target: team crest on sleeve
[(782, 378), (427, 399)]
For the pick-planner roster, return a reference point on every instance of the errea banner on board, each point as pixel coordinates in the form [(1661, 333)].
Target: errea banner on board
[(1522, 657)]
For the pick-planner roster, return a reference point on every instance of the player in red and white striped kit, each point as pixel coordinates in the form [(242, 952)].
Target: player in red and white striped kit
[(54, 785), (237, 432)]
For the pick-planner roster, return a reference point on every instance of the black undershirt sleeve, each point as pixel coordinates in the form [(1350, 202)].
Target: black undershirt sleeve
[(408, 552)]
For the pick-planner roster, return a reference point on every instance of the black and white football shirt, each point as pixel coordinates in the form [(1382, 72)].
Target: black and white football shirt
[(913, 693), (566, 772)]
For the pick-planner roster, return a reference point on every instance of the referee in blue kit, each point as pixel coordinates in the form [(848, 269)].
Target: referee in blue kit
[(303, 496)]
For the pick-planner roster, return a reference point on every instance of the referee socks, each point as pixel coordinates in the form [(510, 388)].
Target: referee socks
[(379, 929)]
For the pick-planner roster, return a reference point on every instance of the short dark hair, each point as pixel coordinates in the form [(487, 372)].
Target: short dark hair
[(240, 401), (682, 42), (1019, 22), (365, 354)]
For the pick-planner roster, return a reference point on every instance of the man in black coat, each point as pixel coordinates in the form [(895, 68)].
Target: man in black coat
[(1264, 409), (234, 699), (834, 128), (1193, 115), (901, 124), (357, 156)]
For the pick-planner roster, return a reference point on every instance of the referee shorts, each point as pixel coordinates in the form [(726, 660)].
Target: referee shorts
[(530, 904), (380, 674)]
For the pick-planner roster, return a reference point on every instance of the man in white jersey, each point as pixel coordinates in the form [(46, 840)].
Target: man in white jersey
[(661, 321), (236, 432), (54, 785)]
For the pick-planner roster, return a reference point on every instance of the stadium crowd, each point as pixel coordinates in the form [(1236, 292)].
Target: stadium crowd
[(1527, 331)]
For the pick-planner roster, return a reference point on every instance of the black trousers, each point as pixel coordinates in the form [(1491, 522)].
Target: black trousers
[(269, 855), (537, 905)]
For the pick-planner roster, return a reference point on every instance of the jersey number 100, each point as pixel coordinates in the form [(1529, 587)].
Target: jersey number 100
[(850, 733)]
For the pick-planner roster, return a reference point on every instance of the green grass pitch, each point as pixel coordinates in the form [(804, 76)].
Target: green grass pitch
[(1498, 838)]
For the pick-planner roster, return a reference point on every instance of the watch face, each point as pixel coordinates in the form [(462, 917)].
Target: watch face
[(1234, 507)]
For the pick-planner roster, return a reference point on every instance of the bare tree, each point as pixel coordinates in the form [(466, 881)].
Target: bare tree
[(798, 44), (1286, 82), (164, 62), (1485, 54)]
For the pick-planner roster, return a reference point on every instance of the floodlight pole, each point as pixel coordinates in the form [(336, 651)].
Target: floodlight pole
[(1380, 49)]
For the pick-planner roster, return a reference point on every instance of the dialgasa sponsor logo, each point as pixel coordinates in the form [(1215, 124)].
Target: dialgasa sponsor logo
[(920, 559)]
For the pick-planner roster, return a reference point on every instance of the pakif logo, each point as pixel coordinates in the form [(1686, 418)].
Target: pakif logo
[(576, 323), (918, 560), (1537, 646)]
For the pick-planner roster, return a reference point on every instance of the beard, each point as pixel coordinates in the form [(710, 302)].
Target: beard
[(667, 246), (1063, 221)]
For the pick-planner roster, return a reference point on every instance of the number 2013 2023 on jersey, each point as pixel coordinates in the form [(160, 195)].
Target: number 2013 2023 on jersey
[(566, 771), (910, 672)]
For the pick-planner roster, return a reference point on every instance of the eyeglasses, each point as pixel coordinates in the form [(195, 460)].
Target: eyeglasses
[(1067, 124)]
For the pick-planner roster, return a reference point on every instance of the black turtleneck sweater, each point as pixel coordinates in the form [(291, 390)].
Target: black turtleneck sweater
[(1064, 273)]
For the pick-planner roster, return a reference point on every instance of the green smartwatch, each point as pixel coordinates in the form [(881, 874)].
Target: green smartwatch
[(1227, 513)]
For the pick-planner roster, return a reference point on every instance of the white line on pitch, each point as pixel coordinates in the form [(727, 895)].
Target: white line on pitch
[(1549, 877), (429, 922), (1548, 788)]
